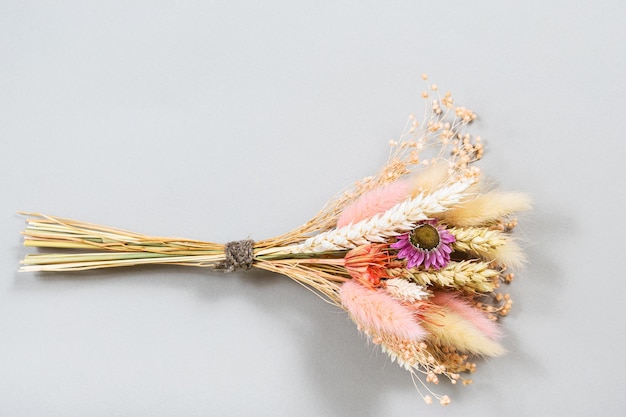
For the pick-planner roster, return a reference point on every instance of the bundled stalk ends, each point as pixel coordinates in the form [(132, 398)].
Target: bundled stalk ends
[(415, 254)]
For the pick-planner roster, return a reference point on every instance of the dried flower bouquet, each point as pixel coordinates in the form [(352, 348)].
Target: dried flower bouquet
[(415, 254)]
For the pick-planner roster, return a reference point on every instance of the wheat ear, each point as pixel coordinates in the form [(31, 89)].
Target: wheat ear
[(398, 219), (489, 244), (471, 276)]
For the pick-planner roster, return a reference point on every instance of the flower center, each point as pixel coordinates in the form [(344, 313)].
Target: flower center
[(425, 237)]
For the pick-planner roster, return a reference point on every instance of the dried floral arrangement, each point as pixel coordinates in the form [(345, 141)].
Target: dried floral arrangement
[(415, 254)]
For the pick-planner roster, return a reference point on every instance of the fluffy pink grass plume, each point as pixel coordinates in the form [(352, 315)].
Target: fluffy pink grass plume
[(374, 309), (373, 202), (469, 313)]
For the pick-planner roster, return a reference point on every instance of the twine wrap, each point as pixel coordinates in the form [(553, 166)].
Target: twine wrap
[(239, 255)]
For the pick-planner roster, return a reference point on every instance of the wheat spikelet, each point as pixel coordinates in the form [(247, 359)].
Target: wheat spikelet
[(400, 218), (479, 240), (471, 276), (375, 201), (489, 244), (403, 290)]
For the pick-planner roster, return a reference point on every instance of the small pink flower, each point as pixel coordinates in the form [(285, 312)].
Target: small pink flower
[(428, 245)]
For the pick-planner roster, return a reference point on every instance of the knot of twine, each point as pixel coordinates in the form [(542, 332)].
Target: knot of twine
[(239, 255)]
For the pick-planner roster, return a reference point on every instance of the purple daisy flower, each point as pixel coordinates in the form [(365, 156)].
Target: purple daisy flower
[(427, 245)]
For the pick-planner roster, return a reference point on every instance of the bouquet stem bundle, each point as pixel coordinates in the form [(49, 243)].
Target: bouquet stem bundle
[(110, 247), (414, 254)]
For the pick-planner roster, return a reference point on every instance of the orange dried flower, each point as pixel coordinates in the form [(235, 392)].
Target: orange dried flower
[(368, 264)]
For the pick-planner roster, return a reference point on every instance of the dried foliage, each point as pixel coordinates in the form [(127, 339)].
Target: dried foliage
[(415, 254)]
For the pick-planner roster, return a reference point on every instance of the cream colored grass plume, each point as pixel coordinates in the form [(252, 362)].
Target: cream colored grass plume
[(489, 244), (486, 208), (448, 328), (411, 253)]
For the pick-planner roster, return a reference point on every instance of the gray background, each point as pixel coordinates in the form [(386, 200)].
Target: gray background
[(223, 120)]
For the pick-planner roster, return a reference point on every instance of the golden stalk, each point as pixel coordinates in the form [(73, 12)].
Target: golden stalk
[(469, 276), (315, 279), (479, 240)]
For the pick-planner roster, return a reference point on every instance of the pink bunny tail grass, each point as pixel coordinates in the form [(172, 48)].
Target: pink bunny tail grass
[(373, 202), (466, 311), (374, 309)]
